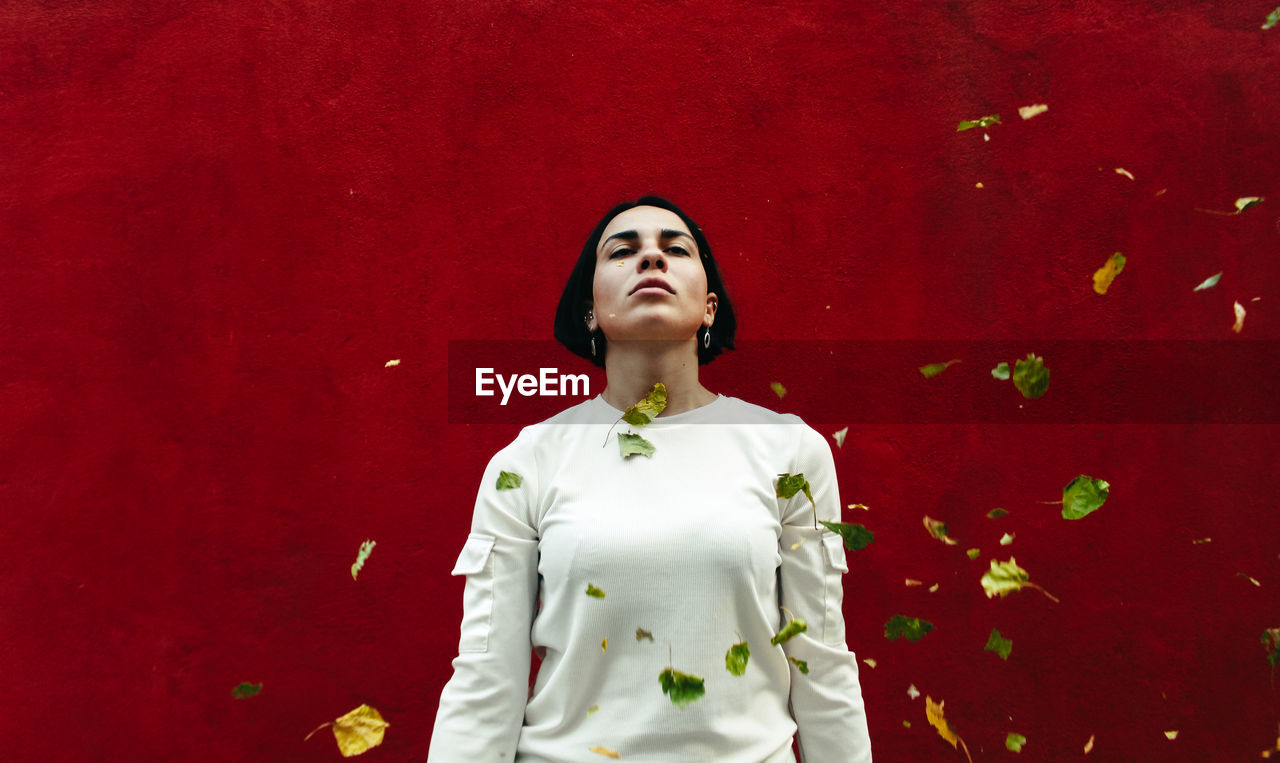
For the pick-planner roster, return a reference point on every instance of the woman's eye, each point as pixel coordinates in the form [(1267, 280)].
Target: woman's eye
[(621, 252), (678, 250)]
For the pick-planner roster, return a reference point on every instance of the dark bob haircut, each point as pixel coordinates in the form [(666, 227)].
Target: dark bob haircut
[(571, 328)]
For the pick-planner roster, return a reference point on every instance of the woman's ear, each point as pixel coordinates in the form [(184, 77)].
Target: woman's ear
[(712, 303), (589, 317)]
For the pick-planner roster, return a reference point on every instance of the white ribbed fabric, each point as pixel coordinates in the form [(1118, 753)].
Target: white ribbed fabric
[(692, 546)]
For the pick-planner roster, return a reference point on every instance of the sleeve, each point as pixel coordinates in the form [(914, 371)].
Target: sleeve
[(482, 706), (827, 701)]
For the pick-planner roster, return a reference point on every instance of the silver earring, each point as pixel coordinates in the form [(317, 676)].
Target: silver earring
[(593, 345), (706, 338)]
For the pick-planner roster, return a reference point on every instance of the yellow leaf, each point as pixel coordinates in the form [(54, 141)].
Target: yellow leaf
[(391, 363), (1088, 746), (839, 437), (605, 751), (1123, 171), (862, 506), (1107, 273), (1027, 112), (1171, 735), (604, 645), (1239, 308), (910, 582), (934, 588), (594, 709), (870, 662), (778, 389), (933, 711), (359, 731)]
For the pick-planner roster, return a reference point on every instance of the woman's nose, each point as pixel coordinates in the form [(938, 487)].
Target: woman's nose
[(652, 258)]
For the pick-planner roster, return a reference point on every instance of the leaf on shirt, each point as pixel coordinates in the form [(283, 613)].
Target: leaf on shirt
[(789, 631), (605, 751), (735, 660), (778, 389), (856, 537), (1083, 495), (246, 690), (593, 710), (801, 665), (839, 437), (933, 712), (997, 513), (1107, 273), (594, 592), (1031, 377), (1014, 741), (648, 409), (634, 445), (938, 530), (910, 628), (366, 548), (604, 645), (1001, 372), (987, 121), (357, 732), (790, 484), (642, 634), (1209, 282), (998, 644), (682, 688), (509, 480), (933, 369), (1006, 577)]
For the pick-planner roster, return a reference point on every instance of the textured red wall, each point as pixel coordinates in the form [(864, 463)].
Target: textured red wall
[(220, 221)]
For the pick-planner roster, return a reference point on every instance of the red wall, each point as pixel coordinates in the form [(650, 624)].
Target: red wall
[(220, 221)]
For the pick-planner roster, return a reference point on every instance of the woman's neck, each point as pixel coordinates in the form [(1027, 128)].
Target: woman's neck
[(632, 368)]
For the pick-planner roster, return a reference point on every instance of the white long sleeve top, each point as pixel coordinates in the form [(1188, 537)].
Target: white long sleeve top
[(691, 546)]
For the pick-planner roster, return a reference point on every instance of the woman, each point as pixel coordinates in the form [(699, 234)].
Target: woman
[(652, 566)]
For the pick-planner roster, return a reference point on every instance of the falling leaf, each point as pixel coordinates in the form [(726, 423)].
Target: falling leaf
[(778, 389), (1013, 742), (1001, 371), (1123, 171), (604, 645), (913, 692), (1006, 577), (735, 660), (790, 631), (1107, 273), (910, 582), (996, 513), (933, 712), (1272, 19), (1083, 495), (1244, 202), (801, 665), (862, 506), (593, 710), (1031, 377), (1239, 324), (605, 751), (1198, 541), (973, 553), (856, 537), (1250, 579), (1088, 746), (790, 484), (839, 437), (977, 185), (642, 634), (366, 548), (910, 628), (1006, 539), (987, 121), (906, 724), (634, 445), (246, 690), (1209, 282), (938, 530), (797, 544), (682, 688), (1270, 643), (391, 363), (509, 480), (359, 731), (1171, 735), (1027, 112), (933, 369), (870, 662), (648, 409), (998, 644), (934, 588), (594, 592)]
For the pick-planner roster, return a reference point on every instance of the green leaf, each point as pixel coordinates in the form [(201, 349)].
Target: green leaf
[(910, 628), (1006, 577), (856, 537), (642, 634), (790, 631), (1031, 377), (1001, 371), (1082, 496), (634, 445), (933, 369), (1014, 742), (801, 665), (648, 409), (246, 690), (938, 530), (1271, 643), (997, 513), (998, 644), (790, 484), (778, 389), (1272, 19), (973, 553), (735, 660), (594, 592), (509, 480), (1244, 202), (1006, 539), (1209, 282), (681, 687), (366, 548), (987, 121)]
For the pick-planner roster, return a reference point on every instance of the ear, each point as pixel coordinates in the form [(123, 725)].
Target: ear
[(592, 323), (709, 316)]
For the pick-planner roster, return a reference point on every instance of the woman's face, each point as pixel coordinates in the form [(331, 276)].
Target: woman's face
[(649, 282)]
